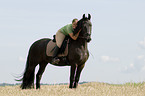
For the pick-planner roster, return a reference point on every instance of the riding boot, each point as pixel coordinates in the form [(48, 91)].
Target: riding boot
[(55, 59)]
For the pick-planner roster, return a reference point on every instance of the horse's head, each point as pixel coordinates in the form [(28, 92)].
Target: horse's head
[(86, 26)]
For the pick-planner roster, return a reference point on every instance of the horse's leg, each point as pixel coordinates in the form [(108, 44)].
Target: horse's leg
[(31, 80), (42, 66), (72, 75), (79, 70)]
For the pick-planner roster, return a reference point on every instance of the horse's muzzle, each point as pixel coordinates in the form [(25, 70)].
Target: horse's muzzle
[(89, 39)]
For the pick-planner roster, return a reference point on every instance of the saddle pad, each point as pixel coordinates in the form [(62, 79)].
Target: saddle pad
[(50, 51)]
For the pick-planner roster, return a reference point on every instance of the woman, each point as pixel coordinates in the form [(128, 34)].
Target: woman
[(60, 35)]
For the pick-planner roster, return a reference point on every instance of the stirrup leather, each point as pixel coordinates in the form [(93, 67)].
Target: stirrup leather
[(55, 60)]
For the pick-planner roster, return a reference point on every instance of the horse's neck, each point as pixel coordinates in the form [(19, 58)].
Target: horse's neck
[(83, 43), (80, 43)]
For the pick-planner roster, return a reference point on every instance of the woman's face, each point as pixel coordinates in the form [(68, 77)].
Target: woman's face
[(74, 24)]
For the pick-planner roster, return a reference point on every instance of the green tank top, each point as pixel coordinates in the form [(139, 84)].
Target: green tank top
[(67, 29)]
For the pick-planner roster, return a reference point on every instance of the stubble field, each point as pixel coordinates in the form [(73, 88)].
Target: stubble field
[(88, 89)]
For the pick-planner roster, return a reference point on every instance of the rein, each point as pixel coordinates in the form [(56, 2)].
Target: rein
[(82, 37)]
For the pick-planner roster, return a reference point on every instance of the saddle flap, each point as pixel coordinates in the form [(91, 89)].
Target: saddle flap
[(50, 51)]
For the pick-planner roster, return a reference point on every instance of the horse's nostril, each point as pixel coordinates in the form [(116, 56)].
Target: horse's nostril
[(89, 39)]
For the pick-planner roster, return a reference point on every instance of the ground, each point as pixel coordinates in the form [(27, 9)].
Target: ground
[(87, 89)]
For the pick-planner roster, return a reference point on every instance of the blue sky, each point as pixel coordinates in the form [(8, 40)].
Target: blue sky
[(117, 49)]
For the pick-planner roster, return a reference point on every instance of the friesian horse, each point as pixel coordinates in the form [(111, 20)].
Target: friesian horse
[(77, 56)]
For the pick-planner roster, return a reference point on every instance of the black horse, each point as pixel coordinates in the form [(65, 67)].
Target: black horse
[(77, 56)]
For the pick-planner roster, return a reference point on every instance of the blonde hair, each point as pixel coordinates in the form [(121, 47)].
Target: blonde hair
[(74, 20)]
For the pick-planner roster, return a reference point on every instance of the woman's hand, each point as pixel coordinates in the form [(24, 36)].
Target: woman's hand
[(74, 37)]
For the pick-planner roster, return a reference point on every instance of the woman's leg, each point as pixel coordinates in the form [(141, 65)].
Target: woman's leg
[(59, 39)]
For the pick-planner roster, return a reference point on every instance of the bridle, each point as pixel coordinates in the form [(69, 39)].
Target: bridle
[(85, 35)]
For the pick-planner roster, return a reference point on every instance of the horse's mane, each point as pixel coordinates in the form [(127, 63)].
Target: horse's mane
[(79, 25)]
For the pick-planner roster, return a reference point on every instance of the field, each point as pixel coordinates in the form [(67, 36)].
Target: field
[(87, 89)]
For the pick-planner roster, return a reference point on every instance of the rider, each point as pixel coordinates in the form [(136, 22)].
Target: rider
[(60, 35)]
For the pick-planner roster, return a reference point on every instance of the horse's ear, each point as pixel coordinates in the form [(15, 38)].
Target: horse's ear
[(89, 16), (83, 16)]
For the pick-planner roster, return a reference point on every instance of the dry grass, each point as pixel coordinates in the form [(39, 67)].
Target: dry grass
[(88, 89)]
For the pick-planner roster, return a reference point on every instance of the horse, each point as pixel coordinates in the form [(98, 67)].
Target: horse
[(77, 56)]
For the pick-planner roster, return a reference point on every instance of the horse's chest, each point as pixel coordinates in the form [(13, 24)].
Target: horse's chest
[(83, 54), (78, 54)]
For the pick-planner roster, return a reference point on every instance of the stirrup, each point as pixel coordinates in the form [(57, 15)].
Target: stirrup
[(55, 60)]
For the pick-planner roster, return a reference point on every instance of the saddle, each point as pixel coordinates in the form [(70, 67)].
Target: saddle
[(63, 52)]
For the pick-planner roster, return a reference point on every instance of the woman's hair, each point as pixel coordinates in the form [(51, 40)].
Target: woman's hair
[(74, 20)]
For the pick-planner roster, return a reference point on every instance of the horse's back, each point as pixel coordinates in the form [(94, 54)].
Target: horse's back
[(40, 43), (38, 47)]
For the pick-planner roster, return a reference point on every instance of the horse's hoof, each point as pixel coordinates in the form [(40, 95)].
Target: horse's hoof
[(70, 87), (38, 88)]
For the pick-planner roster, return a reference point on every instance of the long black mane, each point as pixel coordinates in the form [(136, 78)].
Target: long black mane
[(79, 26)]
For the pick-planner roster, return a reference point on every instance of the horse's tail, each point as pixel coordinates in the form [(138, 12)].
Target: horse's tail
[(20, 77), (28, 76), (26, 68)]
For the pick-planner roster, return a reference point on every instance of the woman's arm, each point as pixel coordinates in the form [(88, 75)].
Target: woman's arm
[(74, 37)]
